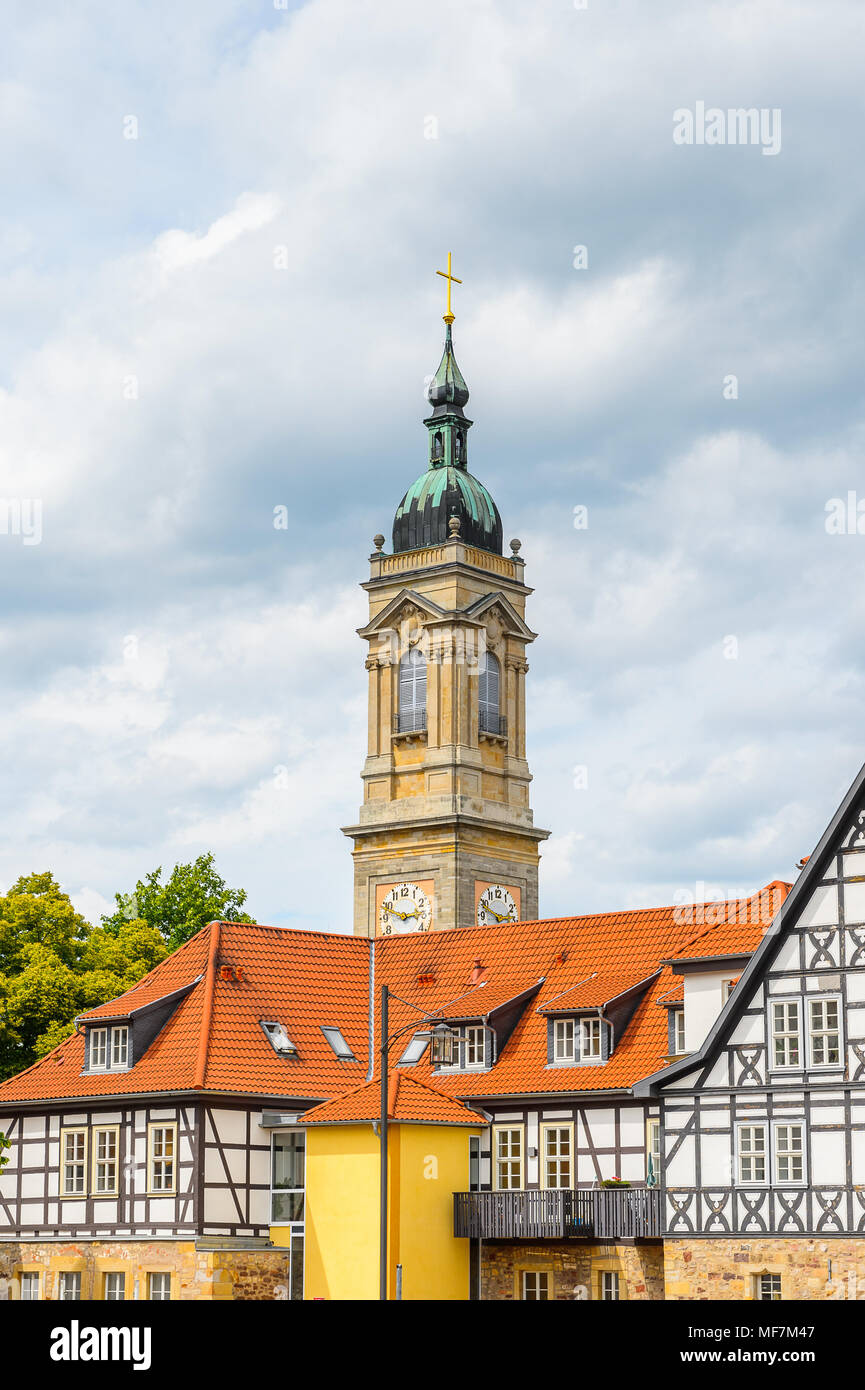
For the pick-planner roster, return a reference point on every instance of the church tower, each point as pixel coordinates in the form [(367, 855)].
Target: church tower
[(445, 836)]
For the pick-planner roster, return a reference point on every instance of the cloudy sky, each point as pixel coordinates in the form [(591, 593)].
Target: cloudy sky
[(218, 238)]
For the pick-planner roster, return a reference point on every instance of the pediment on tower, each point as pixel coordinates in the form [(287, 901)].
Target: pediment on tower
[(499, 616), (406, 609)]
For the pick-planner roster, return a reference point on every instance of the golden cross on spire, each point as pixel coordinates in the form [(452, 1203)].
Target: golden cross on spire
[(451, 279)]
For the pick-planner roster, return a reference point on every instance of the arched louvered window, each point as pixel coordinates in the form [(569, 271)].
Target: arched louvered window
[(489, 719), (412, 692), (438, 445)]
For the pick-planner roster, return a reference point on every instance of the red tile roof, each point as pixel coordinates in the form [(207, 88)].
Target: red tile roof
[(596, 991), (409, 1101), (213, 1041)]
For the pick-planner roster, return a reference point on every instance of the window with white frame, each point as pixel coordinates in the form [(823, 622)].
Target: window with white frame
[(785, 1033), (162, 1158), (536, 1285), (678, 1030), (564, 1040), (475, 1048), (69, 1286), (469, 1053), (590, 1039), (789, 1150), (752, 1153), (73, 1163), (508, 1157), (29, 1282), (114, 1287), (727, 987), (653, 1147), (105, 1164), (98, 1049), (288, 1153), (120, 1047), (557, 1146), (159, 1288), (768, 1288), (824, 1032), (610, 1285), (287, 1199)]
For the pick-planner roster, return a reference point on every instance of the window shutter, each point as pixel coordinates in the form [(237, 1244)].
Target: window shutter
[(488, 693), (671, 1032), (412, 690), (606, 1040), (551, 1054)]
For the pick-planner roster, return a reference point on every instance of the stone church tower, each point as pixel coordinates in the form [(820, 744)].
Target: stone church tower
[(445, 836)]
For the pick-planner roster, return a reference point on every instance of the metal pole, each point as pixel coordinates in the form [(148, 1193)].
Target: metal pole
[(382, 1275)]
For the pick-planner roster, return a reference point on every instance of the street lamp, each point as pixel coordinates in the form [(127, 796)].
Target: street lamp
[(443, 1040)]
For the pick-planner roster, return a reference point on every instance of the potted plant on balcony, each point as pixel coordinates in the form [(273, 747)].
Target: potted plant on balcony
[(615, 1182)]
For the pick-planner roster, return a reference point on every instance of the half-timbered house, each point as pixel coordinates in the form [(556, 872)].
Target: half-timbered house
[(764, 1121)]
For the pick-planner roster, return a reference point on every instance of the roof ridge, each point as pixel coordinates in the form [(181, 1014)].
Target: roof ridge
[(207, 1008), (295, 931)]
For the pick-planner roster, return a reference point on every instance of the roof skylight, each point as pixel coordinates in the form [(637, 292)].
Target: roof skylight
[(339, 1044), (278, 1038), (417, 1046)]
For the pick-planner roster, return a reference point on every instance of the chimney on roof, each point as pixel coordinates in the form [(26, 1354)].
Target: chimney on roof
[(803, 861), (231, 972), (477, 970)]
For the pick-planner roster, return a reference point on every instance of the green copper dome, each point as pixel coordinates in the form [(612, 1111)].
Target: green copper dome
[(423, 515), (447, 489)]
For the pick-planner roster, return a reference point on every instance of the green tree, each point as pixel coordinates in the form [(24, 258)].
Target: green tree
[(191, 896), (54, 966), (4, 1144)]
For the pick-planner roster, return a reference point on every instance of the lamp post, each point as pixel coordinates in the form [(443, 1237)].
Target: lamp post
[(442, 1039)]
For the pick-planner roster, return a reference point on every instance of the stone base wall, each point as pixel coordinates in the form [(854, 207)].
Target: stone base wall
[(575, 1269), (729, 1269), (234, 1274)]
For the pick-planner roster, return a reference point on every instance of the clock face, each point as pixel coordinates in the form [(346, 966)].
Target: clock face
[(496, 904), (404, 908)]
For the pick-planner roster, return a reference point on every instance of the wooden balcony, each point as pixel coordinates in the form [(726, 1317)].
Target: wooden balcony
[(601, 1214)]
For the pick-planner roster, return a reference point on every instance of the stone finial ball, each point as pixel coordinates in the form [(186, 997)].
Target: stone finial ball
[(378, 541), (516, 546)]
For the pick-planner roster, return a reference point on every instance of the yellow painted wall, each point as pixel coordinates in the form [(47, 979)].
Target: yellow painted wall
[(342, 1193), (434, 1164), (427, 1164)]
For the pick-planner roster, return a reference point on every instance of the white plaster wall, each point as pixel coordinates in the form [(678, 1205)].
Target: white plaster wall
[(715, 1161), (827, 1159), (704, 1000)]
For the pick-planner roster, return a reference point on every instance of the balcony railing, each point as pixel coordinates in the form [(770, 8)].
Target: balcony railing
[(601, 1214), (409, 721), (490, 723)]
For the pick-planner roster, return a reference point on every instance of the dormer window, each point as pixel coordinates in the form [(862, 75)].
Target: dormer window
[(108, 1049), (339, 1044), (119, 1047), (677, 1032), (98, 1049), (472, 1049), (577, 1041), (590, 1039), (564, 1040), (278, 1038)]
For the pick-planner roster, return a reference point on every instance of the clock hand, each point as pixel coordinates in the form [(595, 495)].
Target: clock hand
[(499, 916)]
